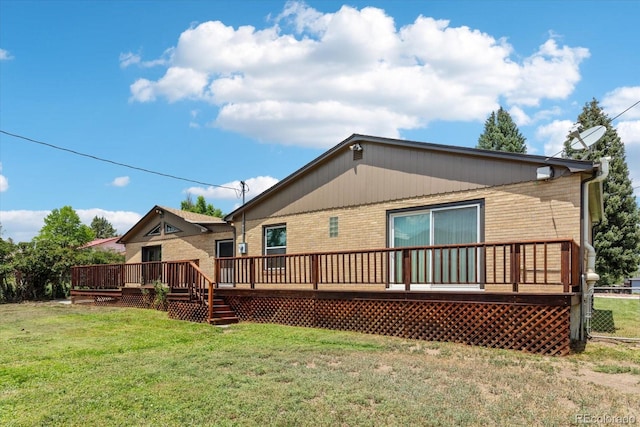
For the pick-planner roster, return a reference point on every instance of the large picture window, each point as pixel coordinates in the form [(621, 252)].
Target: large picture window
[(443, 225), (275, 243)]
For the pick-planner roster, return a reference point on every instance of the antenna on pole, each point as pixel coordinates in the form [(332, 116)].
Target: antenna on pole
[(243, 244), (243, 189)]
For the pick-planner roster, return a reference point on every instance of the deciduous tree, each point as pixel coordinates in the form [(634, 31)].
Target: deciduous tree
[(201, 206), (63, 227)]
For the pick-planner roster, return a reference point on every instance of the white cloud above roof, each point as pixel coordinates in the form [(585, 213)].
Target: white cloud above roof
[(620, 99), (5, 55), (314, 78), (24, 225), (232, 190), (554, 135), (4, 182), (121, 181)]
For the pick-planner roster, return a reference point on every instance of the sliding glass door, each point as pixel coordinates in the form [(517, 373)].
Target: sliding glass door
[(458, 224)]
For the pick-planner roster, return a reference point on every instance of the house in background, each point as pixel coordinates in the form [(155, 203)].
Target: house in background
[(109, 244), (404, 238)]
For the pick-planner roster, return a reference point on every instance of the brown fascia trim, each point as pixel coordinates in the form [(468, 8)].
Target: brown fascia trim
[(571, 164)]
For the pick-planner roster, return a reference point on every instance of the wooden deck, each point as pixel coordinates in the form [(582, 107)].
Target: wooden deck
[(531, 266), (537, 323), (513, 295)]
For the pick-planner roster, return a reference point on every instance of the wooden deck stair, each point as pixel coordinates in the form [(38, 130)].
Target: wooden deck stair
[(222, 313)]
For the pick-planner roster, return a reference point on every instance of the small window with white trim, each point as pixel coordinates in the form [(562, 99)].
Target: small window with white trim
[(168, 228), (155, 231), (275, 243)]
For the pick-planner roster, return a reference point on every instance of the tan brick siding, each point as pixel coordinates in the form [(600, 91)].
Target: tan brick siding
[(178, 248), (525, 211)]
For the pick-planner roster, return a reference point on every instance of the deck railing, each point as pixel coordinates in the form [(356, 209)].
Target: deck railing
[(544, 262), (175, 274)]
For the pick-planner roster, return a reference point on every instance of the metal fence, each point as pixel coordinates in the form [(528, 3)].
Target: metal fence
[(615, 313)]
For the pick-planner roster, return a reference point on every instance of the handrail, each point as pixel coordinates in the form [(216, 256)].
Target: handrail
[(200, 282), (510, 264), (534, 262), (113, 276)]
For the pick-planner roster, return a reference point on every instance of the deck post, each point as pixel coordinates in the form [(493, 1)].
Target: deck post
[(252, 273), (216, 271), (210, 297), (315, 271), (515, 266), (406, 269), (565, 266)]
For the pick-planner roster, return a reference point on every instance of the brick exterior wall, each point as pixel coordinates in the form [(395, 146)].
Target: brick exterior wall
[(179, 248), (524, 211)]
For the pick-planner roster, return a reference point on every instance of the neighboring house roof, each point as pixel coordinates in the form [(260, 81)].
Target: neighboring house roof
[(108, 244), (574, 166), (204, 222)]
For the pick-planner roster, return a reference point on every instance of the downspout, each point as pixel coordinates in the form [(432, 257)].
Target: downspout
[(590, 277)]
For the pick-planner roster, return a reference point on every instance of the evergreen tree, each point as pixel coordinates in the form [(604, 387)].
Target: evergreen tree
[(102, 228), (617, 237), (201, 206), (502, 134)]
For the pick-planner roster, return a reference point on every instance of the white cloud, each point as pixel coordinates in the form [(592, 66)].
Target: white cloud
[(519, 116), (178, 83), (4, 182), (121, 181), (122, 221), (550, 73), (5, 55), (334, 74), (21, 225), (232, 190), (130, 58), (620, 99), (554, 135), (629, 133), (24, 225)]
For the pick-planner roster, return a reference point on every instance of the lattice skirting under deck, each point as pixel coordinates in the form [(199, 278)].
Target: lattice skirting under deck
[(134, 299), (189, 311), (542, 329)]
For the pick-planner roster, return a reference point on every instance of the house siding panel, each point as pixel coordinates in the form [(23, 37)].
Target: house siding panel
[(524, 211), (389, 173)]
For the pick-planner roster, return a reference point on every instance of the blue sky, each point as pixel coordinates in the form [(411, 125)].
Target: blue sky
[(219, 92)]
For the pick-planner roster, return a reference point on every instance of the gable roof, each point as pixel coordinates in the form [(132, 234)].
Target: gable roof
[(205, 222), (574, 166)]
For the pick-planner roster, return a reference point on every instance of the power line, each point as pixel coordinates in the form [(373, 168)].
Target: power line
[(637, 102), (118, 163), (627, 109)]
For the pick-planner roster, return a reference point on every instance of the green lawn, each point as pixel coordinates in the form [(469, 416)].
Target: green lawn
[(625, 313), (63, 365)]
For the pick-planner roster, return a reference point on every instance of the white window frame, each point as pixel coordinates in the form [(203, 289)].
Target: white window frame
[(430, 285), (267, 248)]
